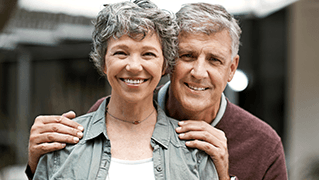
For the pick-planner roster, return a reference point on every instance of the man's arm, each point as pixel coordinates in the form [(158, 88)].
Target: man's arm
[(205, 137), (277, 166)]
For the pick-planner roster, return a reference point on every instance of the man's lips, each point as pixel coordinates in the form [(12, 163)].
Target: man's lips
[(196, 88)]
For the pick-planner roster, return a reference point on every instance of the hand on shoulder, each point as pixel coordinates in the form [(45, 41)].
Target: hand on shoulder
[(51, 133)]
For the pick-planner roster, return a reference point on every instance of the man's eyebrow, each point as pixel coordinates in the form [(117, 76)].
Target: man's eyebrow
[(216, 55), (185, 51)]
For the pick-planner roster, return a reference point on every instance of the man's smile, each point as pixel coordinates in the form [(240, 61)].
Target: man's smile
[(196, 88)]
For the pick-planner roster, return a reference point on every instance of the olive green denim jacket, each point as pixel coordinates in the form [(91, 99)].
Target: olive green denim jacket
[(91, 157)]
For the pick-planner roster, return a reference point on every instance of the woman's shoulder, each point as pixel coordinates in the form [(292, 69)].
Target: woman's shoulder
[(84, 119)]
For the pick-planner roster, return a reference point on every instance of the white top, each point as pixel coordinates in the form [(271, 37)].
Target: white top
[(132, 170)]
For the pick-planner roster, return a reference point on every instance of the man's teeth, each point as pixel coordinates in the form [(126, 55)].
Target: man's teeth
[(196, 88), (131, 81)]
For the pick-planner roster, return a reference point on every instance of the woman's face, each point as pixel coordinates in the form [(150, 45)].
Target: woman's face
[(134, 67)]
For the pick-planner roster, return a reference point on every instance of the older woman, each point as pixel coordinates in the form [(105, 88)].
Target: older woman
[(129, 136)]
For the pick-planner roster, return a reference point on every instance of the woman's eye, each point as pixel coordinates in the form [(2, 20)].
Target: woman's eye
[(149, 54), (119, 53)]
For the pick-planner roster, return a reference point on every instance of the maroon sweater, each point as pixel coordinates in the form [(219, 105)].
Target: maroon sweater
[(255, 150)]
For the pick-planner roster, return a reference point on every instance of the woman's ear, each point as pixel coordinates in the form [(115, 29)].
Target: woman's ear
[(165, 69)]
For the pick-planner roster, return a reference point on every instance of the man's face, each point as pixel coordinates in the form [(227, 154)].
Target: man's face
[(202, 70)]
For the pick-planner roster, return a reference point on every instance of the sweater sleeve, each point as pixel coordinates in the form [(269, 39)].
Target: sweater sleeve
[(277, 169), (28, 172)]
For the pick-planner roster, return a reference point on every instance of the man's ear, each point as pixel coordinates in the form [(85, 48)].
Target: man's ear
[(233, 67)]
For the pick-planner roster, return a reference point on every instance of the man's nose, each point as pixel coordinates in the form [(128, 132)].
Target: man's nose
[(199, 70), (134, 64)]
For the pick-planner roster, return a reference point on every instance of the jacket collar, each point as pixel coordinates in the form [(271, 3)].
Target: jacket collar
[(97, 125)]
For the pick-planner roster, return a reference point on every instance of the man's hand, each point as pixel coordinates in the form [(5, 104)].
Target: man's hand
[(205, 137), (51, 133)]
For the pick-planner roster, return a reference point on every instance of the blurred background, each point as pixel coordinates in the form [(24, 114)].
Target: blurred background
[(45, 69)]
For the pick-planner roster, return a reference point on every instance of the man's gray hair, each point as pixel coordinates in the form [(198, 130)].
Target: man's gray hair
[(135, 19), (207, 18)]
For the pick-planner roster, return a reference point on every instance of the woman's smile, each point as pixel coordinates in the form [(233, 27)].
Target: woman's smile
[(134, 67)]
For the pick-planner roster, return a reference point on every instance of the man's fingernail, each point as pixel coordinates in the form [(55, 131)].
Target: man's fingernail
[(178, 128), (80, 128), (181, 135), (181, 122), (76, 139), (63, 145), (80, 134)]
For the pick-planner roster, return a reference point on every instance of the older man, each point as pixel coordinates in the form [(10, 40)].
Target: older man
[(239, 143)]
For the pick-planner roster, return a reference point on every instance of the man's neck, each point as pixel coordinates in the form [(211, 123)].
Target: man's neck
[(175, 110)]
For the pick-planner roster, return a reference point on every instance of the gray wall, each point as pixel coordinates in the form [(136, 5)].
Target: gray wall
[(303, 88)]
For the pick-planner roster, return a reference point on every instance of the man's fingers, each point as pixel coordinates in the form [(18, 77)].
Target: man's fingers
[(60, 128), (203, 136), (49, 147), (62, 120), (44, 120), (216, 153), (70, 114), (53, 137), (202, 145), (191, 125)]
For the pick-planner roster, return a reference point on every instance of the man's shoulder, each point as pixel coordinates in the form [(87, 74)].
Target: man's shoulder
[(240, 120), (252, 143)]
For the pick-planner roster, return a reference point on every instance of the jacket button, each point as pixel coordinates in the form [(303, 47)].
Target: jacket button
[(159, 168)]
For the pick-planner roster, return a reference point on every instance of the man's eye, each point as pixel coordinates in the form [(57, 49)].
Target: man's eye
[(186, 57), (214, 60)]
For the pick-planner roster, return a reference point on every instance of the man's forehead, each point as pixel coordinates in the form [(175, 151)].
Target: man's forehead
[(192, 41)]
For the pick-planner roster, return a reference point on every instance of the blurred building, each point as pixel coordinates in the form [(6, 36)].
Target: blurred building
[(45, 69)]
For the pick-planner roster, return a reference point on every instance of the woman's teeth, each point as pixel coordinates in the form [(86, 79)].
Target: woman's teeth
[(131, 81)]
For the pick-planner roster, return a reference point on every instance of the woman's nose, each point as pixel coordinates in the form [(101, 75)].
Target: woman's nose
[(134, 64)]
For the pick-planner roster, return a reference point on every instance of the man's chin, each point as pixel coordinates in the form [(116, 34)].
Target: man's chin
[(194, 105)]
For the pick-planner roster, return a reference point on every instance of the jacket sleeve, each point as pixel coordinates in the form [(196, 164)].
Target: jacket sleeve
[(45, 167)]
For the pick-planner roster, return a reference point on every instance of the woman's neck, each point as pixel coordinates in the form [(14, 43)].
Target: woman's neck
[(119, 108)]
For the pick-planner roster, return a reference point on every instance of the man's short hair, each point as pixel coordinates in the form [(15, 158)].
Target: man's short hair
[(207, 18)]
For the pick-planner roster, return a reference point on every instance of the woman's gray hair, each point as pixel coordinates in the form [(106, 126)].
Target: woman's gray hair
[(135, 19), (207, 18)]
